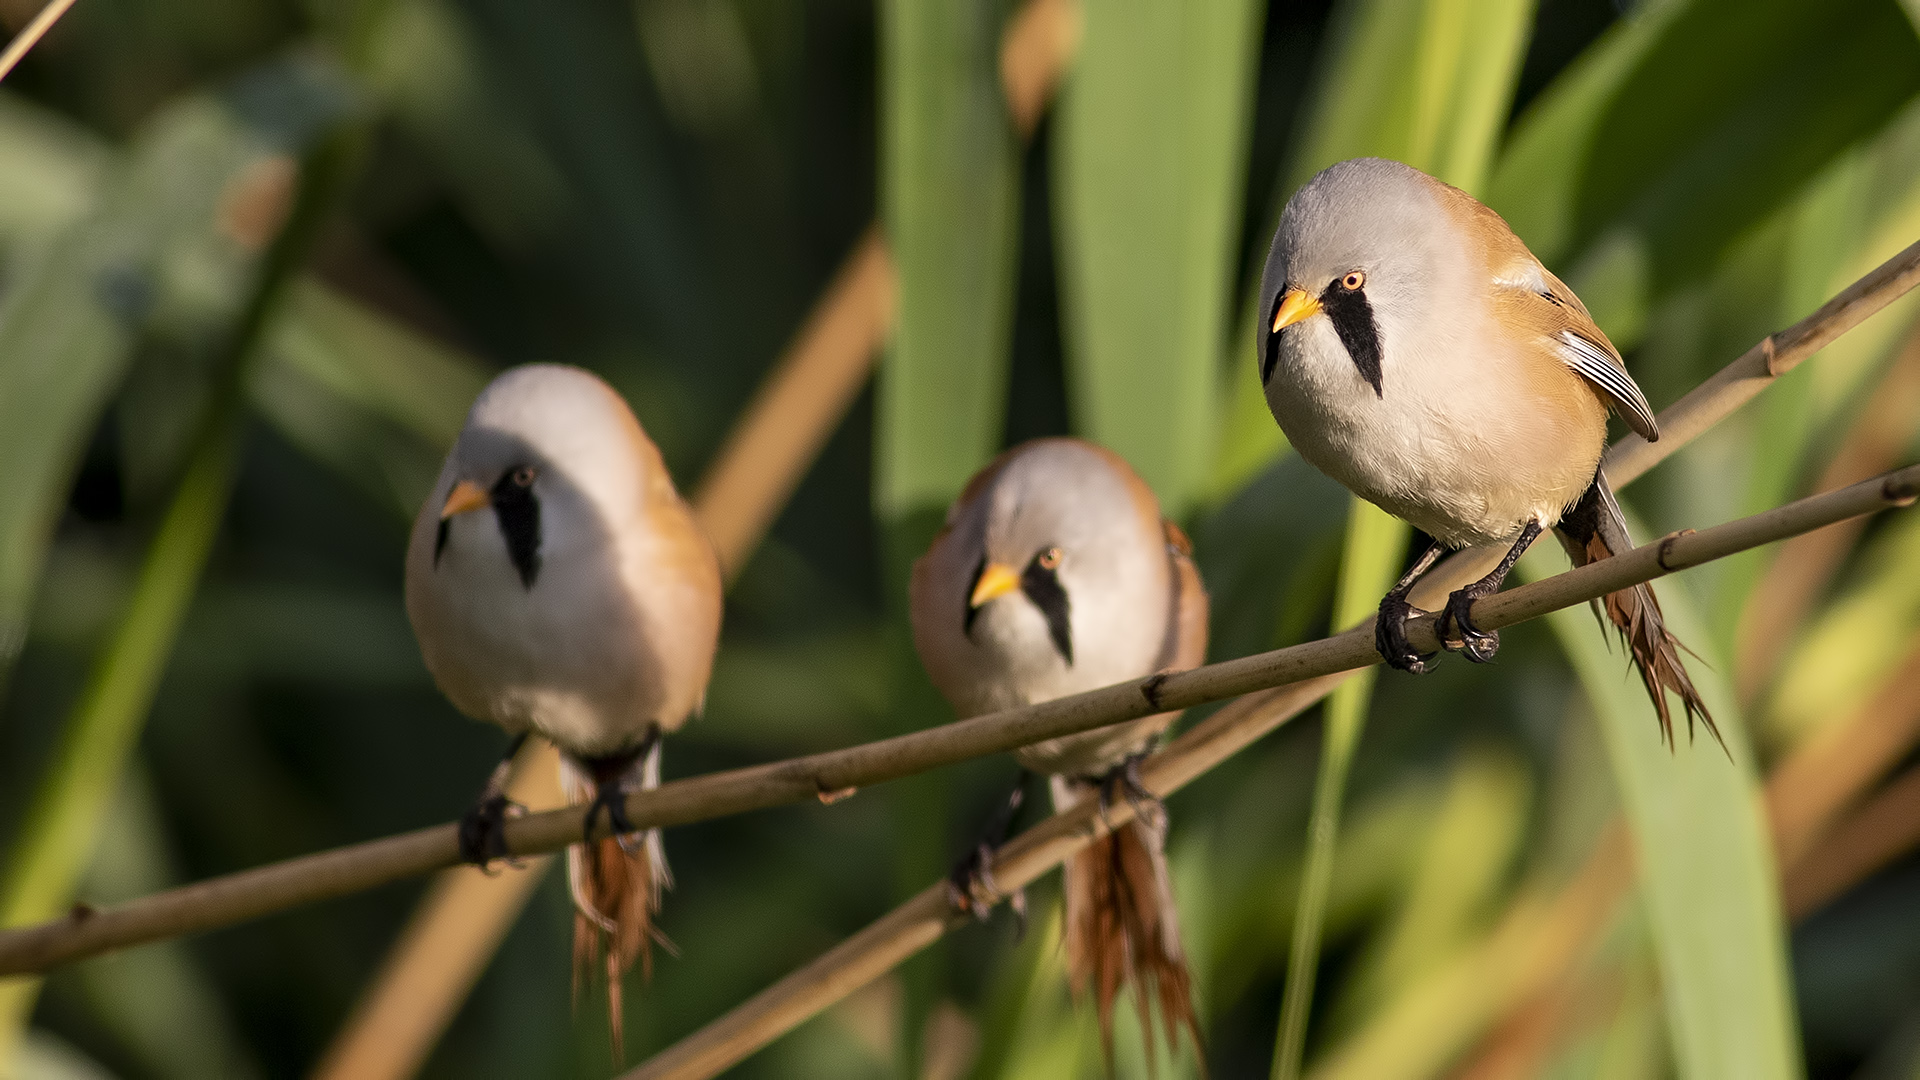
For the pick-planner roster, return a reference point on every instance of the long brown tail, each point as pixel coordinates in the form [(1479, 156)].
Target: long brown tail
[(1121, 925), (1595, 529), (616, 891)]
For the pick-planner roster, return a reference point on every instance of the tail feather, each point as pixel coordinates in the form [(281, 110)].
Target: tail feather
[(1121, 927), (1595, 529), (616, 891)]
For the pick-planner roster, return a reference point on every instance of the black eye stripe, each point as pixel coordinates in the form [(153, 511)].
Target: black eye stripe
[(1353, 320), (1272, 355), (518, 511), (973, 582), (1042, 586)]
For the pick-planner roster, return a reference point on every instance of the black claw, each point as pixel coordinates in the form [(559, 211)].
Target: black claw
[(970, 885), (1476, 644), (611, 798), (1125, 779), (1018, 902), (1390, 636), (483, 830)]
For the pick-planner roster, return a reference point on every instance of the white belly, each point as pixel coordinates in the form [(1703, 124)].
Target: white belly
[(1453, 444)]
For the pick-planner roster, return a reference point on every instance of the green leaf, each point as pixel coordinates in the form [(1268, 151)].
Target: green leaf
[(56, 839), (1150, 145), (67, 329), (949, 181), (1375, 542), (1694, 119), (1703, 851)]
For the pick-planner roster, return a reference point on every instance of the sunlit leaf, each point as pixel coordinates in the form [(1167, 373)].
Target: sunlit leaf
[(1150, 146)]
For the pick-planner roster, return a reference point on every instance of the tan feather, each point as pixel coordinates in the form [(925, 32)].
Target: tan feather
[(1595, 529), (616, 892), (1121, 928)]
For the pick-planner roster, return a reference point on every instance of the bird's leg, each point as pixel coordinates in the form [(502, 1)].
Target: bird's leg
[(483, 828), (970, 886), (610, 793), (1390, 627), (1124, 778), (1480, 645)]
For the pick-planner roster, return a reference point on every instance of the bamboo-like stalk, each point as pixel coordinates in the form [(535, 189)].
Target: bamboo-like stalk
[(465, 915), (249, 894), (26, 39)]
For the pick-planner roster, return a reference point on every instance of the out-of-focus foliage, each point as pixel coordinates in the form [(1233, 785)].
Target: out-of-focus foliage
[(658, 189)]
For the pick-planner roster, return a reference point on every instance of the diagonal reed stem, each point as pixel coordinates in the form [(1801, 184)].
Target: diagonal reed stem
[(226, 900)]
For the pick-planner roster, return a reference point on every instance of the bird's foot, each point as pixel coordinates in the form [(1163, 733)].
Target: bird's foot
[(971, 889), (1390, 636), (1478, 645), (612, 798), (1124, 779), (483, 830)]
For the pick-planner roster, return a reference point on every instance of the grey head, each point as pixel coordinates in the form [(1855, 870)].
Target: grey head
[(549, 460), (1368, 245), (1053, 575)]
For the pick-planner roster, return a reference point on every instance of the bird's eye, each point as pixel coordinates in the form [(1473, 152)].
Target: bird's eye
[(1353, 281), (1048, 559), (523, 476)]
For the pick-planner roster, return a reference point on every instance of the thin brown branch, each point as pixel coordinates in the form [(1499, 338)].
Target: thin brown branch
[(251, 893), (257, 892), (918, 923), (26, 39)]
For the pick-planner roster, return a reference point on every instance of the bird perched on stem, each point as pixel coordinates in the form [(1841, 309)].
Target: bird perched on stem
[(558, 584), (1056, 574), (1413, 349)]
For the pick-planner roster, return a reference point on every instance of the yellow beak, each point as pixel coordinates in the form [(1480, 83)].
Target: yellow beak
[(466, 495), (1297, 305), (995, 580)]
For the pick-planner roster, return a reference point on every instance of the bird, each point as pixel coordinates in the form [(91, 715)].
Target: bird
[(1055, 573), (1413, 349), (558, 584)]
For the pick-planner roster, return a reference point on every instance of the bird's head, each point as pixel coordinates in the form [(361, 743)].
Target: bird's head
[(550, 460), (1361, 260), (1054, 566)]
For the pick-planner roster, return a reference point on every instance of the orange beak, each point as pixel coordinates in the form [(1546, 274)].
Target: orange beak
[(466, 495), (1297, 305), (995, 580)]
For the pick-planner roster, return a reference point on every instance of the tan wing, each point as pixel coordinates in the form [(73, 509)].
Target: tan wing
[(1187, 636), (1537, 304)]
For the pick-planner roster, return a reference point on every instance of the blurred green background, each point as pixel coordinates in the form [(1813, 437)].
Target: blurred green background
[(218, 418)]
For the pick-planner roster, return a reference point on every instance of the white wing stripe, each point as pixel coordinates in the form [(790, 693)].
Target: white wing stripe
[(1594, 365)]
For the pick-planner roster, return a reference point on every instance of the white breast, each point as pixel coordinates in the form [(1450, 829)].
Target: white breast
[(1462, 440)]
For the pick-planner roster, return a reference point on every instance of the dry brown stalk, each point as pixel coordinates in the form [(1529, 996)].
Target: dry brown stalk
[(26, 39), (798, 406), (251, 893), (1887, 827)]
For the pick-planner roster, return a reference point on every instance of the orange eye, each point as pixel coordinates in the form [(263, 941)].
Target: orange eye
[(1049, 559), (1353, 281), (523, 476)]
